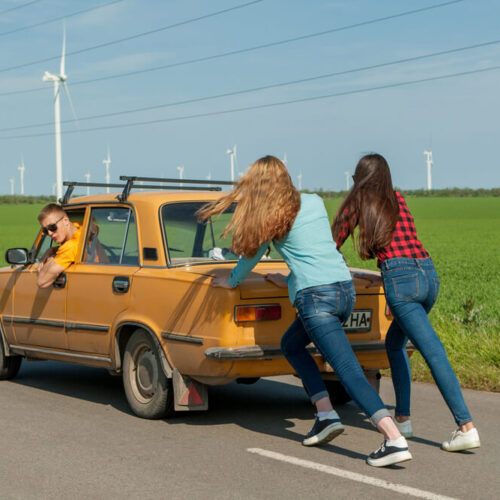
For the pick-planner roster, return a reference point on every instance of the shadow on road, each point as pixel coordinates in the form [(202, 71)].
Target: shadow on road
[(267, 407)]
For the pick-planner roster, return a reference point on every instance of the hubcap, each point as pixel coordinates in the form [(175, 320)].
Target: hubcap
[(146, 373)]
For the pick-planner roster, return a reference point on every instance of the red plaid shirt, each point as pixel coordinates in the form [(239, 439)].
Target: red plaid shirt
[(404, 244)]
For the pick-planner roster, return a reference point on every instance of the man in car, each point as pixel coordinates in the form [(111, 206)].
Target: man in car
[(56, 224)]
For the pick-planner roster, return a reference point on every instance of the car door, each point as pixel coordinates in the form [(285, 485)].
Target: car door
[(39, 314), (99, 286)]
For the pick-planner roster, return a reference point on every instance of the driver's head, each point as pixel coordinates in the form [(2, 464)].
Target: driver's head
[(55, 223)]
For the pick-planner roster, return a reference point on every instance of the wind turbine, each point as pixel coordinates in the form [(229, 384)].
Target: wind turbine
[(346, 181), (21, 169), (87, 178), (11, 180), (209, 176), (232, 154), (180, 168), (107, 163), (284, 159), (429, 161), (299, 177), (58, 80)]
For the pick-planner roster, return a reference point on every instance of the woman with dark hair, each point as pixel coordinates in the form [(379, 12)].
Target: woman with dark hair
[(411, 284), (270, 209)]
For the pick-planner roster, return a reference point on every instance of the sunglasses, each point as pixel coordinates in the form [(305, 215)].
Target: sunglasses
[(51, 227)]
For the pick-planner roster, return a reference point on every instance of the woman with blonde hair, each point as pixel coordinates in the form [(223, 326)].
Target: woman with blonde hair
[(270, 209), (386, 231)]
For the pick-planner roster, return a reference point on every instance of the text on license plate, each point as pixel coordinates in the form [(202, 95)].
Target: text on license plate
[(360, 320)]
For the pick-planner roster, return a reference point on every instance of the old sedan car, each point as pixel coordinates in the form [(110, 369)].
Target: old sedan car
[(146, 309)]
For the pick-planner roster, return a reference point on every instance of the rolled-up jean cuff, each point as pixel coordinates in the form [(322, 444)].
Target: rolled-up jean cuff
[(318, 396), (379, 415)]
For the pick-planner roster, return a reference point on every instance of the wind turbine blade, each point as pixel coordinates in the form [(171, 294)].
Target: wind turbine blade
[(61, 72), (71, 104)]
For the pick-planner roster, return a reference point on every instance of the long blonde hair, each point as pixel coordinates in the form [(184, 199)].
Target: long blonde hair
[(267, 206)]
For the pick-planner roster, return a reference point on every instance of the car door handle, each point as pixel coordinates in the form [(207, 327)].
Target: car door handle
[(121, 284), (60, 281)]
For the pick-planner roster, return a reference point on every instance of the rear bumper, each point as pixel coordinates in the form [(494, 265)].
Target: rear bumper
[(265, 352)]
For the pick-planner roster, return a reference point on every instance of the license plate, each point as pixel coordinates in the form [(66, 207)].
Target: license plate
[(360, 320)]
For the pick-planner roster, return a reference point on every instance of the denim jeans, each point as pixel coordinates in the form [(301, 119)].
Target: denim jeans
[(321, 311), (411, 289)]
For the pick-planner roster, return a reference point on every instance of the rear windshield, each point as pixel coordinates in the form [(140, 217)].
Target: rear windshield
[(190, 241)]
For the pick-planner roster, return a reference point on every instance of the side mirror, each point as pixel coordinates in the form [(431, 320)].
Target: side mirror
[(17, 256)]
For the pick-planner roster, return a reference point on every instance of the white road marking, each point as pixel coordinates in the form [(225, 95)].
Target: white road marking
[(353, 476)]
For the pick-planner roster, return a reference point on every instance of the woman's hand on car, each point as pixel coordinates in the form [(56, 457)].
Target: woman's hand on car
[(220, 282), (277, 278)]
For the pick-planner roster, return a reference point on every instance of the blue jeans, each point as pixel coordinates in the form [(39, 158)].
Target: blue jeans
[(411, 289), (321, 311)]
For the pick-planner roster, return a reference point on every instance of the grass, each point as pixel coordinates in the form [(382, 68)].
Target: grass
[(463, 237)]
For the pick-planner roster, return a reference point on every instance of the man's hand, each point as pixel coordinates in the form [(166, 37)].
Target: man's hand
[(220, 282), (277, 278)]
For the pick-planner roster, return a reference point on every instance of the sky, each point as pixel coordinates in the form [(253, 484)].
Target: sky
[(320, 83)]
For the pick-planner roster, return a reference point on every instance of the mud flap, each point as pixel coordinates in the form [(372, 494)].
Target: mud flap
[(189, 395)]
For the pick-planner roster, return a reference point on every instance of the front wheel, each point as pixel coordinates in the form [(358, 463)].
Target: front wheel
[(149, 392), (9, 365)]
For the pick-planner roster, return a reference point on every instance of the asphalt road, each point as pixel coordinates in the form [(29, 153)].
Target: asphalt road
[(67, 432)]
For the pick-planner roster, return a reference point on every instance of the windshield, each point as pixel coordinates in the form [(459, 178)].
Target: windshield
[(190, 241)]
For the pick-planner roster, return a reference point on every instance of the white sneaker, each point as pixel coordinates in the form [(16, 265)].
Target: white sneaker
[(405, 428), (462, 441)]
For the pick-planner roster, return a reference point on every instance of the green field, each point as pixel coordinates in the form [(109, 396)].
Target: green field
[(463, 237)]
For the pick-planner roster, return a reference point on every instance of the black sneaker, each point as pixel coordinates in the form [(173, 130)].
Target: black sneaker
[(388, 455), (323, 431)]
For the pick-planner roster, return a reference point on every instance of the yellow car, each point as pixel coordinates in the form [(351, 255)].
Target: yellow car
[(143, 306)]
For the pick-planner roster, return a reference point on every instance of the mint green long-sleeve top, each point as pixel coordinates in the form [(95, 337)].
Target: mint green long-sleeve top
[(308, 250)]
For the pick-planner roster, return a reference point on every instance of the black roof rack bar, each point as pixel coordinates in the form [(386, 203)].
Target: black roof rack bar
[(92, 184), (133, 181), (71, 186), (177, 181)]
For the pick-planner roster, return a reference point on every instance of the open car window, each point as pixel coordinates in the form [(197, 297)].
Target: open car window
[(190, 241), (111, 237)]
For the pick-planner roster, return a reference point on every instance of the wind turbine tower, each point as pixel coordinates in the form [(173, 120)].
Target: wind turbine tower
[(429, 161), (11, 180), (107, 163), (299, 177), (232, 156), (284, 159), (21, 169), (58, 80), (180, 168), (87, 178), (346, 181)]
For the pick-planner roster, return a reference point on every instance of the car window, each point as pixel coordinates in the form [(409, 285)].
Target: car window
[(111, 237), (190, 241)]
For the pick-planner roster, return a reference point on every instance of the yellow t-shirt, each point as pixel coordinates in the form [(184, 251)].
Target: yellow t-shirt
[(66, 253)]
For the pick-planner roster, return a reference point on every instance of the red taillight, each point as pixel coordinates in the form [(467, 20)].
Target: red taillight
[(266, 312), (388, 311)]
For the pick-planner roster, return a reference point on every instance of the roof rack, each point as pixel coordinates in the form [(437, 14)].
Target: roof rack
[(131, 181)]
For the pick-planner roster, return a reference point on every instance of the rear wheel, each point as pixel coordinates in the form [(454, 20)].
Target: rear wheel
[(149, 392), (9, 365)]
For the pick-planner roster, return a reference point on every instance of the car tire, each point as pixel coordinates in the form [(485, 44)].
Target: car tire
[(338, 395), (9, 365), (149, 392)]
